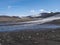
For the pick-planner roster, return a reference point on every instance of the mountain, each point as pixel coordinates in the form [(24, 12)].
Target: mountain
[(13, 19), (49, 18), (42, 17), (8, 18), (45, 15)]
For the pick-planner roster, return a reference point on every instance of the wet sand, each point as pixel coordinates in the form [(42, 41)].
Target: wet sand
[(29, 37)]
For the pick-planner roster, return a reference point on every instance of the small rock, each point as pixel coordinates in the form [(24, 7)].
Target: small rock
[(0, 44), (29, 37), (37, 33)]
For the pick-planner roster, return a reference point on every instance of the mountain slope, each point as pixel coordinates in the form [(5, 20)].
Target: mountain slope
[(49, 17), (45, 20)]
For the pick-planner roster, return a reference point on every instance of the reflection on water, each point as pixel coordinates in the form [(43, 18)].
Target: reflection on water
[(24, 27)]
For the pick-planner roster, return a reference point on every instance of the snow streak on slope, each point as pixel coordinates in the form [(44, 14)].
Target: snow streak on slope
[(56, 17)]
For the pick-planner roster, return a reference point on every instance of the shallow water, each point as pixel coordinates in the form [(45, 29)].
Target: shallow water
[(28, 26)]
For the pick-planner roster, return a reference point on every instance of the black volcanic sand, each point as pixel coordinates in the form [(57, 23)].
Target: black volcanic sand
[(47, 37)]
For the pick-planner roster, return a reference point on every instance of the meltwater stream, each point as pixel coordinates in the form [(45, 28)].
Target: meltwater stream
[(28, 26)]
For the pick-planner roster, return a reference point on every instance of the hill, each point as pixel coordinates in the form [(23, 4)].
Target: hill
[(13, 19), (27, 18)]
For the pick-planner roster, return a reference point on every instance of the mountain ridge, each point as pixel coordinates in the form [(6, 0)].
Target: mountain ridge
[(28, 18)]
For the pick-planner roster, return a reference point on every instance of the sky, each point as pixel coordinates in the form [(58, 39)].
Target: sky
[(28, 7)]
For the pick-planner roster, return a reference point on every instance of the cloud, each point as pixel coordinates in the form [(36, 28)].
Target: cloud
[(32, 11), (42, 10), (56, 10), (49, 12), (9, 7)]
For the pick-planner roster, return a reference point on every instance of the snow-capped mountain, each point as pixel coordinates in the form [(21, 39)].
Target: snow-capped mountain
[(50, 17), (41, 18)]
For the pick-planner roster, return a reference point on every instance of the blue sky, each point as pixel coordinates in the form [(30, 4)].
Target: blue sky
[(27, 7)]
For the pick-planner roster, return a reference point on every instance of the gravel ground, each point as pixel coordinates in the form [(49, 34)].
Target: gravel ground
[(30, 37)]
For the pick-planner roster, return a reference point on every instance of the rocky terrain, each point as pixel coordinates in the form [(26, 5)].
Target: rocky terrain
[(31, 37), (37, 37)]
